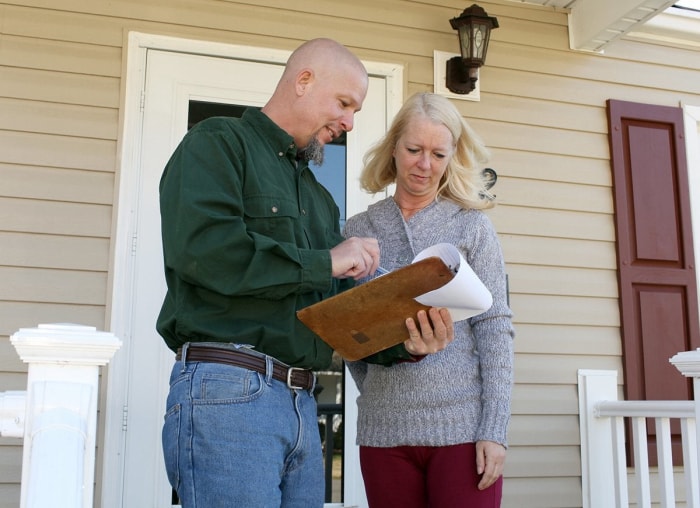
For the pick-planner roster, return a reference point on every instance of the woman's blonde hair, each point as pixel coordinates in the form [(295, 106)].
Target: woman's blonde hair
[(463, 181)]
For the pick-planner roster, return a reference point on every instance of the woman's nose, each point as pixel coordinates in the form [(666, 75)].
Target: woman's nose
[(424, 160)]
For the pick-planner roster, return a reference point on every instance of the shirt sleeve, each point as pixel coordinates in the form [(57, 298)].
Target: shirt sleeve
[(392, 355)]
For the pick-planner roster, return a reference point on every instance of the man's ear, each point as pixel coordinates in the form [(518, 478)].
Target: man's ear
[(304, 79)]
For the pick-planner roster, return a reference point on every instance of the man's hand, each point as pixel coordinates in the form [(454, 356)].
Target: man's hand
[(355, 257), (434, 335), (490, 459)]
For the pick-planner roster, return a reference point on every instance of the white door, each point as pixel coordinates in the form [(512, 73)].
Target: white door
[(163, 76), (692, 137)]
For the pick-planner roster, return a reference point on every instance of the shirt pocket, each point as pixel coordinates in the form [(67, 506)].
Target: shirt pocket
[(272, 216)]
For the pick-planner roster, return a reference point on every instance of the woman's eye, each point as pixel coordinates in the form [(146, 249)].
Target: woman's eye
[(440, 156), (413, 150)]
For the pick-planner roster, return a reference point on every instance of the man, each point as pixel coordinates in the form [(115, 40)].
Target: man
[(250, 237)]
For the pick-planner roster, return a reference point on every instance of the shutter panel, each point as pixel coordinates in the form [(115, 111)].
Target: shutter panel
[(656, 267)]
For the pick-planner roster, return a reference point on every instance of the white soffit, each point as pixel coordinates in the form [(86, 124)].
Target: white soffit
[(675, 26), (557, 4), (593, 24)]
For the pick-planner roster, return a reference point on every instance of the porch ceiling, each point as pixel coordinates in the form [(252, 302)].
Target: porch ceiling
[(593, 24)]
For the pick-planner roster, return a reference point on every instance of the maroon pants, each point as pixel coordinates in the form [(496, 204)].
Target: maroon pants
[(425, 477)]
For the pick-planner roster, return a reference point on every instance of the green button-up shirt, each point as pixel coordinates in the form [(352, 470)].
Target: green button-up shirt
[(246, 237)]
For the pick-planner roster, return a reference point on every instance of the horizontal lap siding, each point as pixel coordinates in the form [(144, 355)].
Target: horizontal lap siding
[(9, 473), (59, 98), (542, 112), (23, 314)]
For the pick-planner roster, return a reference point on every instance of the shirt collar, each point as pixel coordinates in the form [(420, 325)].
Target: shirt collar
[(280, 141)]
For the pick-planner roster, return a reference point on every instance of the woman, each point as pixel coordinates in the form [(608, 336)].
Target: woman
[(432, 430)]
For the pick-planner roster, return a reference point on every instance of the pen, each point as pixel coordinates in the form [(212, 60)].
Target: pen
[(381, 271)]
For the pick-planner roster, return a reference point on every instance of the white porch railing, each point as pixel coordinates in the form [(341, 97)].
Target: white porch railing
[(604, 470), (57, 415)]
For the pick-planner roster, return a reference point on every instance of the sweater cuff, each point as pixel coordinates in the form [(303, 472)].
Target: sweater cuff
[(494, 422)]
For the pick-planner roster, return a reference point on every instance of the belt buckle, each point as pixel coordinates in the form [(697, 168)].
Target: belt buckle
[(290, 371)]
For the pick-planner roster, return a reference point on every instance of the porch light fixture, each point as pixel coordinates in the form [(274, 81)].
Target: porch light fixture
[(474, 29)]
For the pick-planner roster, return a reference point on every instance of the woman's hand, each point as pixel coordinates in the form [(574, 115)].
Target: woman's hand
[(490, 459), (435, 333)]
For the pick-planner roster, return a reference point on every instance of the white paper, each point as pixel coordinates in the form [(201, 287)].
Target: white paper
[(465, 295)]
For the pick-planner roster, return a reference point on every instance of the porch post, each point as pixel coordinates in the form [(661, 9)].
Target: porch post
[(598, 473), (61, 412), (688, 364)]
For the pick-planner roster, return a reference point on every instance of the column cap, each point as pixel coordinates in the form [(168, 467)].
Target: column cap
[(687, 362), (65, 343)]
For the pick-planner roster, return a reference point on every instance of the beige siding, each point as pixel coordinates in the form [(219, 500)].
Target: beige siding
[(10, 474), (50, 183), (27, 314), (559, 492), (542, 111)]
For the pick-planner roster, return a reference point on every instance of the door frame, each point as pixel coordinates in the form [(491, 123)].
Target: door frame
[(691, 117), (122, 260)]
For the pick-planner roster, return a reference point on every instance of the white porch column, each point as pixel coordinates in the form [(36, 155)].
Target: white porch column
[(61, 412), (688, 364), (599, 473)]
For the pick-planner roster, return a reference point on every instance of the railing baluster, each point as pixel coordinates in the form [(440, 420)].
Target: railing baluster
[(641, 461), (690, 463), (665, 460), (620, 462)]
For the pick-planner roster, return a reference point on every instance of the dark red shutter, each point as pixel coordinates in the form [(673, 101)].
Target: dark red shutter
[(656, 265)]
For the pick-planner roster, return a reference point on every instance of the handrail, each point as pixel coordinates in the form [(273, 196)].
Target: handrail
[(645, 408)]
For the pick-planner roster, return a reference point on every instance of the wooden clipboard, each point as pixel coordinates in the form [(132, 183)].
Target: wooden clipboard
[(371, 317)]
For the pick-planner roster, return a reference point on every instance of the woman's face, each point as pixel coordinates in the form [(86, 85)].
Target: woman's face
[(421, 156)]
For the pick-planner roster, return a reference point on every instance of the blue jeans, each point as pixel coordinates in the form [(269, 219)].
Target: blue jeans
[(235, 438)]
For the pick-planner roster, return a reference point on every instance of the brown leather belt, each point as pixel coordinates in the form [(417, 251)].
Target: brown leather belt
[(294, 377)]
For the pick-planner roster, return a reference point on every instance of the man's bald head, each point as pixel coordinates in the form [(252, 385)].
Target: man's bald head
[(322, 54), (322, 86)]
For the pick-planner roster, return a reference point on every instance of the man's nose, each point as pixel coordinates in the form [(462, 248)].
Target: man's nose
[(348, 121)]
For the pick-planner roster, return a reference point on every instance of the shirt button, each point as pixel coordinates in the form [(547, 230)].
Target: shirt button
[(303, 212), (274, 209), (281, 154)]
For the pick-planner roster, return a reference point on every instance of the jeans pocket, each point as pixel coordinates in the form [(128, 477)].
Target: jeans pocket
[(171, 447), (236, 385)]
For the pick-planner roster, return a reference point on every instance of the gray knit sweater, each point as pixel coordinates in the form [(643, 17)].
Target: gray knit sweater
[(461, 394)]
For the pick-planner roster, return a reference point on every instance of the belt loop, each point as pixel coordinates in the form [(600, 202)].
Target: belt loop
[(269, 369), (313, 384), (183, 356)]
